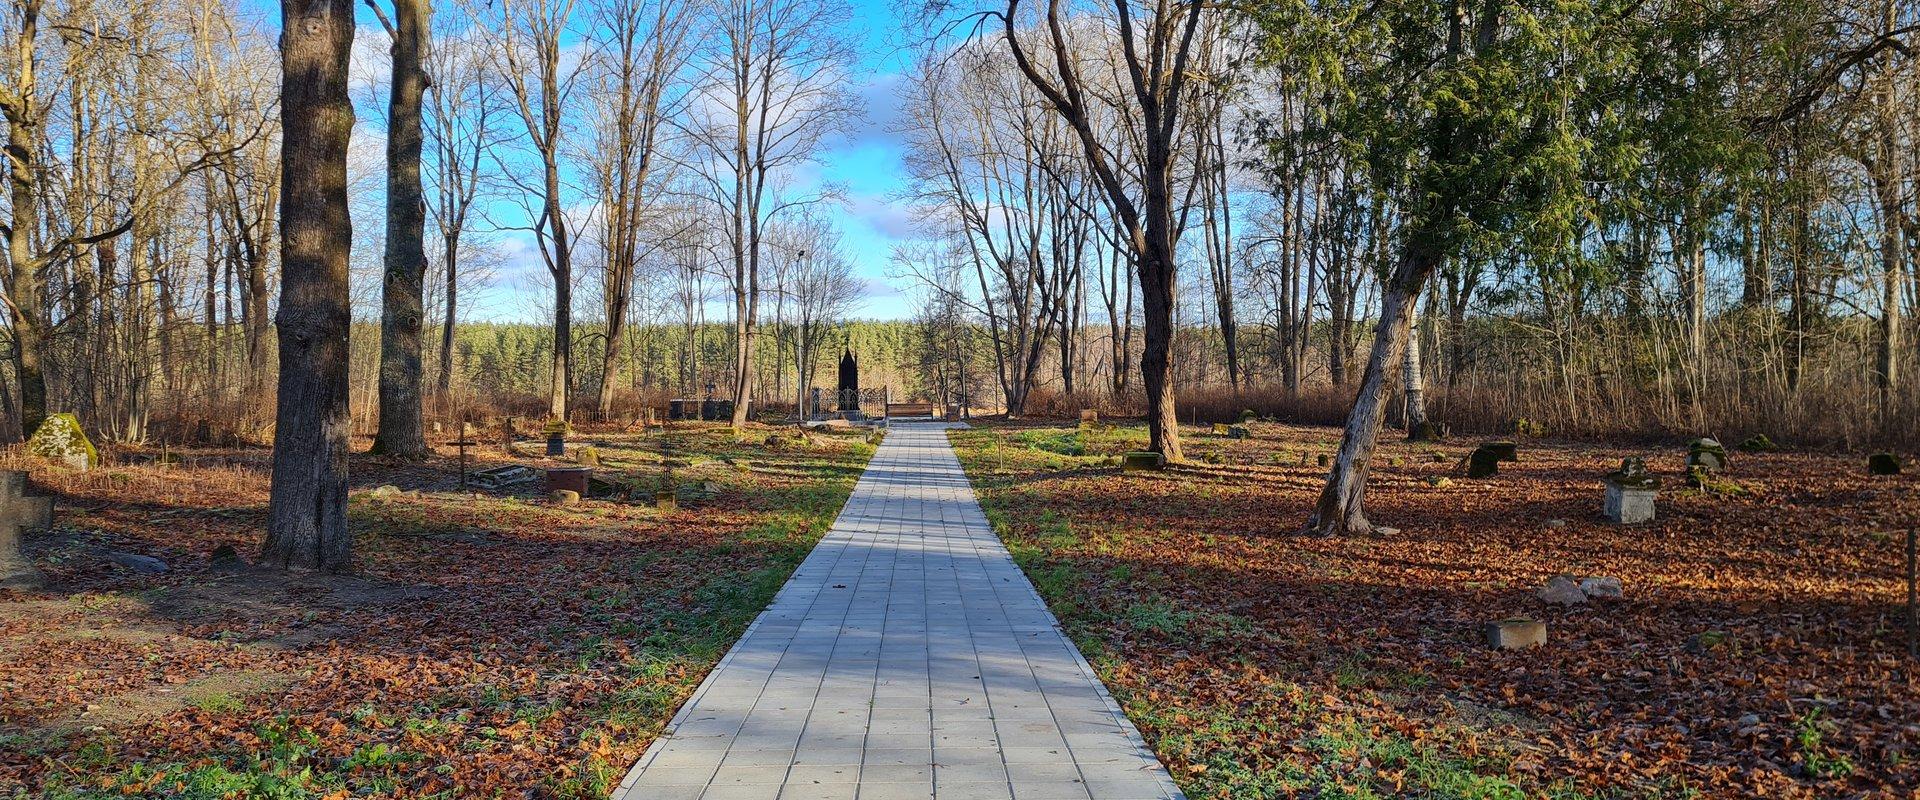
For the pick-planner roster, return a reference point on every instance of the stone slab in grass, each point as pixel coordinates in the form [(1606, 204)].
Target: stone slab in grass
[(1515, 634)]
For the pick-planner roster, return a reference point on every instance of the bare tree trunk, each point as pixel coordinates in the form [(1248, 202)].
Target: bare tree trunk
[(25, 284), (444, 382), (307, 516), (1342, 503), (1885, 171), (402, 313)]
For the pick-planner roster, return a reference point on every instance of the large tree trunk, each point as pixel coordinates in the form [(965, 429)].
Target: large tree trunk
[(562, 345), (742, 355), (1885, 172), (24, 287), (1341, 510), (1156, 359), (402, 314), (307, 516), (610, 363)]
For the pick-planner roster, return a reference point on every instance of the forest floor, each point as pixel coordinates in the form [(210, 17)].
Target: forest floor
[(488, 643), (1758, 650)]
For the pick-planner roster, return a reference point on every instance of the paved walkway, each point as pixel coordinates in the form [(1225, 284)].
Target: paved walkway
[(907, 659)]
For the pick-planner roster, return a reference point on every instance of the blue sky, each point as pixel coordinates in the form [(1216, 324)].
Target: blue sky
[(866, 162), (869, 163)]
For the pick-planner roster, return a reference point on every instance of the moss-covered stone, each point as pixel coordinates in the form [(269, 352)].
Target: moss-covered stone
[(1428, 431), (1706, 453), (61, 439)]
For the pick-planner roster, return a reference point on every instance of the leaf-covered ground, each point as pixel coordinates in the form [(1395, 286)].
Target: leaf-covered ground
[(490, 644), (1758, 651)]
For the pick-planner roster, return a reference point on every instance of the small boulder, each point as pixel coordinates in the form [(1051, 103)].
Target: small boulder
[(1439, 481), (1706, 453), (1884, 464), (384, 492), (563, 497), (587, 456), (1515, 634), (1556, 524), (145, 565), (1758, 443), (1239, 432), (1602, 586), (1563, 590), (61, 440)]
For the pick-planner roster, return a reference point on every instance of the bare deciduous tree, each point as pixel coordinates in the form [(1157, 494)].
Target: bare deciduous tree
[(307, 515)]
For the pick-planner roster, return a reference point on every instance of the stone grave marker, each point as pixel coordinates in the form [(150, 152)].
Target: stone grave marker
[(1485, 460), (1883, 464), (1143, 460), (1089, 416), (1515, 634), (1707, 454), (504, 476), (1631, 491), (61, 440), (19, 511), (1239, 432)]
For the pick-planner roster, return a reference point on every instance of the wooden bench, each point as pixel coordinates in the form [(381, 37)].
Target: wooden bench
[(910, 410)]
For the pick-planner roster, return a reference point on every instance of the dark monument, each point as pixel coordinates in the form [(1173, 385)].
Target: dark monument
[(849, 388)]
